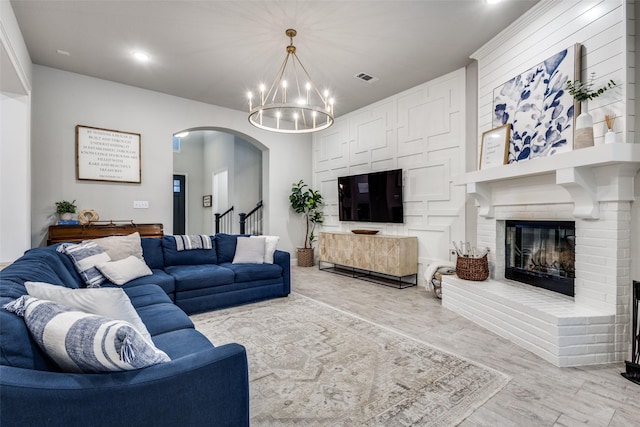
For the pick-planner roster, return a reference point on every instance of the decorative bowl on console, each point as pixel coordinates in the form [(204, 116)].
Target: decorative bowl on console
[(363, 231)]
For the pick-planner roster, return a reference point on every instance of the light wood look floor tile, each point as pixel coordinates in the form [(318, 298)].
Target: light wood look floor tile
[(539, 393)]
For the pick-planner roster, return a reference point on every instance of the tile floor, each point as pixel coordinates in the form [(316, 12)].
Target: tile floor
[(539, 393)]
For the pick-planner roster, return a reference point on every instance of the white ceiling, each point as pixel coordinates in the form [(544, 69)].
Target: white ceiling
[(215, 51)]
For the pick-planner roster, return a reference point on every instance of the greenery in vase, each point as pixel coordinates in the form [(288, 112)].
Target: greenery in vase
[(584, 91), (307, 202), (65, 207)]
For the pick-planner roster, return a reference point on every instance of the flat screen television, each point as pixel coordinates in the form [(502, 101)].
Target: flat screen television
[(371, 197)]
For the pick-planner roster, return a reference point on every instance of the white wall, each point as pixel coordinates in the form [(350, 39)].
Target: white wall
[(15, 179), (15, 150), (62, 100), (422, 132)]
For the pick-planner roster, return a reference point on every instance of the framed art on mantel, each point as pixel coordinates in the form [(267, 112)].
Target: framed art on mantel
[(107, 155), (495, 147), (538, 106)]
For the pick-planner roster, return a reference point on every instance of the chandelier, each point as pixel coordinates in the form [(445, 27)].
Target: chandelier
[(293, 103)]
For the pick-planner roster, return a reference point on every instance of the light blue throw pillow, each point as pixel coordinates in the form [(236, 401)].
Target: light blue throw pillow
[(83, 342)]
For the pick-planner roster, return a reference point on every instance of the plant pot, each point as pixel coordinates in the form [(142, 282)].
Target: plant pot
[(583, 136), (305, 257), (67, 216)]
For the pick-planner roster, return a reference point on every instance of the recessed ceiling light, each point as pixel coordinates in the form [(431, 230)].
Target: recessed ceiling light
[(140, 56), (493, 1)]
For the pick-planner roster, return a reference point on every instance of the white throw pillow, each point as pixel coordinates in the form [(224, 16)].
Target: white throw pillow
[(120, 272), (249, 251), (108, 302), (270, 243), (83, 342), (121, 247)]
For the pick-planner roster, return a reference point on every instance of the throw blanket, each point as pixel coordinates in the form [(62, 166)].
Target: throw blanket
[(437, 266), (188, 242)]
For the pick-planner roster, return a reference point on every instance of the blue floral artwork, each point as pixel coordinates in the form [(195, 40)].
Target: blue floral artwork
[(538, 107)]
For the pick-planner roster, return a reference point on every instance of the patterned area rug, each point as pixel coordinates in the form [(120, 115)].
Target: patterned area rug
[(313, 365)]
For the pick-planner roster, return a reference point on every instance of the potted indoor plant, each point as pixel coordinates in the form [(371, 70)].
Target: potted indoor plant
[(583, 93), (307, 202), (65, 208)]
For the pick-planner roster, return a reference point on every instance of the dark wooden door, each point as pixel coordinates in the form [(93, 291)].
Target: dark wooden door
[(179, 203)]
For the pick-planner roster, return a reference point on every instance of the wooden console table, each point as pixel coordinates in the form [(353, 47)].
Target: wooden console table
[(384, 259), (78, 233)]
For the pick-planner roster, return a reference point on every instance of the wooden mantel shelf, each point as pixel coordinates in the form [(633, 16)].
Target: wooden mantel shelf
[(590, 175)]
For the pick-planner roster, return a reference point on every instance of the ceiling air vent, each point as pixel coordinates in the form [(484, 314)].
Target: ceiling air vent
[(366, 78)]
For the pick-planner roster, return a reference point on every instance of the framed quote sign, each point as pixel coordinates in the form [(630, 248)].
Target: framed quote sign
[(495, 147), (107, 155)]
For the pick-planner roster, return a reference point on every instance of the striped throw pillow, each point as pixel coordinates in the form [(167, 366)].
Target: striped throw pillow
[(83, 342), (85, 256)]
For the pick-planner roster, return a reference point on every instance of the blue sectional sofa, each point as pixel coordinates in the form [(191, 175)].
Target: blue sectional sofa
[(202, 385)]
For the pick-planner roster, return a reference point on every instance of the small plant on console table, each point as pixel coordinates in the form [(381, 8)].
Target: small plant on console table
[(65, 208), (307, 202)]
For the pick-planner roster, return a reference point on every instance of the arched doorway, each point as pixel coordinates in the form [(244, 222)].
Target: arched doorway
[(220, 169)]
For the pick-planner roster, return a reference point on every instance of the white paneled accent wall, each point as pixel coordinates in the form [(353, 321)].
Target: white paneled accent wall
[(603, 27), (422, 132)]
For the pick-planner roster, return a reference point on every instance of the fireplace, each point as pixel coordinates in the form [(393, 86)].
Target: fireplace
[(541, 253)]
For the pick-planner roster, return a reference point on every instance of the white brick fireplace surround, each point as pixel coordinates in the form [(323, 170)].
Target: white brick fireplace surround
[(593, 187)]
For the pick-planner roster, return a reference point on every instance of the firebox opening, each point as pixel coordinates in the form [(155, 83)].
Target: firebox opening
[(541, 253)]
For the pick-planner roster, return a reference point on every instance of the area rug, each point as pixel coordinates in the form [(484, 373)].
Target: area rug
[(313, 365)]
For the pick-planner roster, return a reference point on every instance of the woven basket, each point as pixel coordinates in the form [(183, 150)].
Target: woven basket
[(472, 268), (305, 257)]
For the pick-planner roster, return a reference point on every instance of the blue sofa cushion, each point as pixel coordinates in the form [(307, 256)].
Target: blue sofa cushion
[(189, 257), (199, 276), (162, 318), (251, 272), (43, 265), (181, 342), (152, 252), (146, 294), (159, 277), (226, 245)]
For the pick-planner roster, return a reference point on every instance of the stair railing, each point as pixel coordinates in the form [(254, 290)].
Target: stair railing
[(251, 223), (224, 222)]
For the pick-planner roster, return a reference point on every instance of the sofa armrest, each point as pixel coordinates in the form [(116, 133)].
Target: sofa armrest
[(283, 259), (210, 387)]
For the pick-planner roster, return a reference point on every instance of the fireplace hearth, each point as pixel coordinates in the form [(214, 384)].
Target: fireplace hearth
[(542, 254)]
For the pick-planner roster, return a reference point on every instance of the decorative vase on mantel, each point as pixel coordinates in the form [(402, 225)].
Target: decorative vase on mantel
[(583, 136)]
